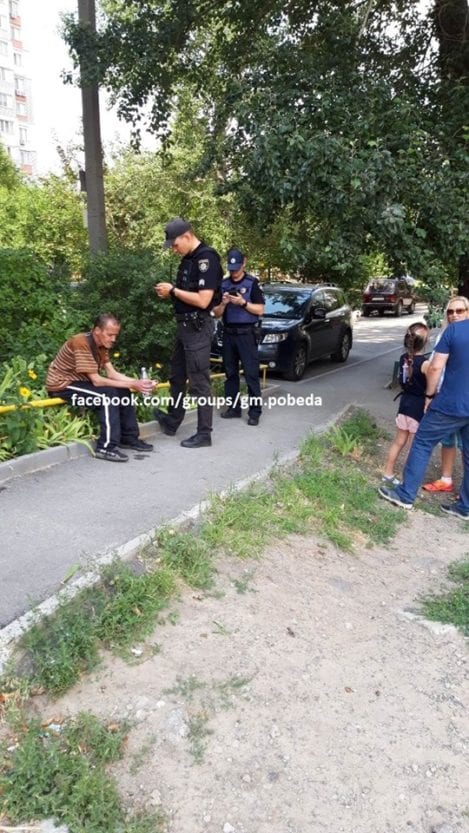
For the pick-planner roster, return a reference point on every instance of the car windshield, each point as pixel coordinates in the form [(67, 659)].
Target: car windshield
[(381, 286), (286, 304)]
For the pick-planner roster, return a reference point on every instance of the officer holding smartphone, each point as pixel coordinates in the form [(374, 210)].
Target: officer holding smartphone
[(196, 291), (241, 308)]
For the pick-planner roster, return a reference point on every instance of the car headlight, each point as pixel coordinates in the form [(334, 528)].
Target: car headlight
[(274, 338)]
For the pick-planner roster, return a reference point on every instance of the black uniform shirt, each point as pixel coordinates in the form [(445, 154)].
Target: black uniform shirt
[(201, 269)]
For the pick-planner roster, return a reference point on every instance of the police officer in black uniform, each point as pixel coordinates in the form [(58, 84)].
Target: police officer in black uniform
[(241, 307), (195, 293)]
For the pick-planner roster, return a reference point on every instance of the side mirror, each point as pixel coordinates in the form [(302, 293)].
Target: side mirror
[(319, 312)]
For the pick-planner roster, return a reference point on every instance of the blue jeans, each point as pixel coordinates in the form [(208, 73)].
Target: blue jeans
[(432, 429)]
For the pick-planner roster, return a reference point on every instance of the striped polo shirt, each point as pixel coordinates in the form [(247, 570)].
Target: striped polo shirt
[(74, 362)]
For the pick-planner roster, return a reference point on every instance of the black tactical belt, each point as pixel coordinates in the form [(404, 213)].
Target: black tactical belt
[(233, 331), (188, 316)]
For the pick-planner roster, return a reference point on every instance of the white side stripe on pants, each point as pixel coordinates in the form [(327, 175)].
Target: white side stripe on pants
[(105, 397)]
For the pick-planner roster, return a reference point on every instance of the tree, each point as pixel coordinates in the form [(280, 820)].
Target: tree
[(9, 176), (332, 116), (47, 218)]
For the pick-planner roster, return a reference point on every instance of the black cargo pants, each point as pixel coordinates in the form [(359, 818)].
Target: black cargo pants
[(191, 361)]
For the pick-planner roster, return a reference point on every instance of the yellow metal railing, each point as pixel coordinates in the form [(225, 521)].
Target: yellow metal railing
[(49, 403)]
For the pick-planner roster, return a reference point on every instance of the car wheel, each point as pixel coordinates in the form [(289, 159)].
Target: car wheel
[(343, 349), (398, 311), (365, 313), (297, 365), (381, 312), (411, 308)]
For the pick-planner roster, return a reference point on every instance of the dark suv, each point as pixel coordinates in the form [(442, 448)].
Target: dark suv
[(389, 294), (301, 322)]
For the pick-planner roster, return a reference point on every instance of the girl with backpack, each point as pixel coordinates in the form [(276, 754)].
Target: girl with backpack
[(412, 369)]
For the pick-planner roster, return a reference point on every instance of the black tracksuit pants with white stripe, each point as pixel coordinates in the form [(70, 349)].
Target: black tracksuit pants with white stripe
[(113, 406)]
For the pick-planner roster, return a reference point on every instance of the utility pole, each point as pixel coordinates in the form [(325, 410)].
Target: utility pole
[(96, 220)]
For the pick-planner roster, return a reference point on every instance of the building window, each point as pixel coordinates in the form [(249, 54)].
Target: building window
[(5, 100), (14, 8), (3, 47), (6, 126), (17, 59), (3, 74), (21, 108), (23, 136), (3, 22), (20, 86), (26, 157), (15, 33)]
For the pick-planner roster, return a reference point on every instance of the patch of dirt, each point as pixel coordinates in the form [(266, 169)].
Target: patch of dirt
[(305, 696), (315, 701)]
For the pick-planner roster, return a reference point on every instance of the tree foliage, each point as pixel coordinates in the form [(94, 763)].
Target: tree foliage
[(34, 304), (338, 125), (121, 282)]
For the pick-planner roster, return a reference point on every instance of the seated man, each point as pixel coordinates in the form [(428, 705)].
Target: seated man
[(74, 375)]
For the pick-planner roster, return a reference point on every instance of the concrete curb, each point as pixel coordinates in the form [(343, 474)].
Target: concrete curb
[(38, 460), (15, 629)]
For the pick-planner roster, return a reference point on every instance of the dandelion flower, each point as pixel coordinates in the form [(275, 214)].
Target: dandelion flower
[(25, 392), (32, 375)]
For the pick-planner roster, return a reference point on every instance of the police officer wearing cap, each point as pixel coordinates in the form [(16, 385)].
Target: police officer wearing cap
[(241, 307), (195, 293)]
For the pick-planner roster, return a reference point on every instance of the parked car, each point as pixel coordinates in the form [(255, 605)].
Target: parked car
[(389, 295), (301, 322)]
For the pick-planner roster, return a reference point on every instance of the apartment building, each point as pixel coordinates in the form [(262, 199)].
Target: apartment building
[(16, 115)]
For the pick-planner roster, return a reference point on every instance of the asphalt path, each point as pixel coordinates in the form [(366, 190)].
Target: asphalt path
[(69, 515)]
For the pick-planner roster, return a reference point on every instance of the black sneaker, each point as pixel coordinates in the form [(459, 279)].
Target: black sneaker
[(254, 420), (231, 414), (197, 441), (137, 445), (161, 417), (453, 509), (113, 455)]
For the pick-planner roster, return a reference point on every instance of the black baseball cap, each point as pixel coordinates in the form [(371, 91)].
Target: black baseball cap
[(173, 229), (235, 260)]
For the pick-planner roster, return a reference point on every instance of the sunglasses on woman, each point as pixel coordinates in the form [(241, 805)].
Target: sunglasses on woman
[(458, 311)]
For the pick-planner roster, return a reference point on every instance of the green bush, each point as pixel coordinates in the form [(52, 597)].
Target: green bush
[(122, 282), (34, 304)]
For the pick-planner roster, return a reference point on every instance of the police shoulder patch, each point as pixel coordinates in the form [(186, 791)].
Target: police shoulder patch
[(243, 290), (203, 265), (201, 281)]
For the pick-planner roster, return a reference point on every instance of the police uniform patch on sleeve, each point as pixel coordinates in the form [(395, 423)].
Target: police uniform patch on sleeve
[(201, 281), (203, 265)]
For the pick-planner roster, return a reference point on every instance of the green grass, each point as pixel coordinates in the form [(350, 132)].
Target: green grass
[(59, 772), (116, 612), (452, 606), (62, 774), (325, 492)]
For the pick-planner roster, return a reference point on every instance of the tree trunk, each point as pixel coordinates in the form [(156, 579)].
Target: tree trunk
[(96, 219), (452, 28)]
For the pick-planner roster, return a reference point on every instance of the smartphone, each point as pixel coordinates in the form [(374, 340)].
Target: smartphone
[(233, 292)]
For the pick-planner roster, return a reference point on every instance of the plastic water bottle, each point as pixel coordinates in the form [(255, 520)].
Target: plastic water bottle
[(143, 373), (405, 371)]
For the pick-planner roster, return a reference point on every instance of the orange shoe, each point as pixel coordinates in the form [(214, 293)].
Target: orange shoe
[(438, 486)]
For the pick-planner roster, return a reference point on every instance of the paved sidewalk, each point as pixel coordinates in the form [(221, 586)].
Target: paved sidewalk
[(70, 514)]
